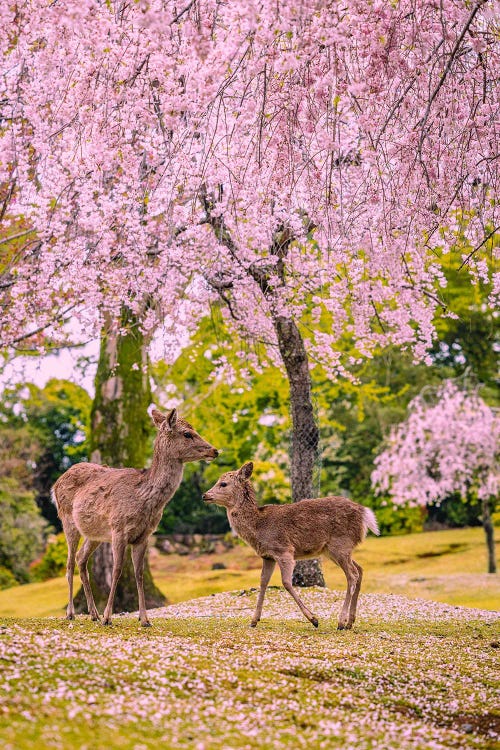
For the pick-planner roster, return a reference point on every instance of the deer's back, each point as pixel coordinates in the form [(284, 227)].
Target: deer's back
[(309, 525), (97, 496)]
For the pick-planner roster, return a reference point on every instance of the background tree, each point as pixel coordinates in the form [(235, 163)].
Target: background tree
[(120, 428), (449, 444)]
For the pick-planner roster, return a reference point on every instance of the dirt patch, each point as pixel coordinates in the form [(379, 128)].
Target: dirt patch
[(484, 724)]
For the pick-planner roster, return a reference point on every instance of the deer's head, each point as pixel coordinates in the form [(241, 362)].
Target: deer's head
[(232, 488), (178, 438)]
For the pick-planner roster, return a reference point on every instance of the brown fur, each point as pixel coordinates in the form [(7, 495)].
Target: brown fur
[(123, 506), (284, 533)]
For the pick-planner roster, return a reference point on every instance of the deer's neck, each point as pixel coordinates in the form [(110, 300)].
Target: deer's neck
[(244, 519), (162, 480)]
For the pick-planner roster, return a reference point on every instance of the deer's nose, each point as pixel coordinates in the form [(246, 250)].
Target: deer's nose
[(216, 452)]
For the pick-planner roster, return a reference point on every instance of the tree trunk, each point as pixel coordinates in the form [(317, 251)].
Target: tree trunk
[(490, 536), (120, 427), (305, 433)]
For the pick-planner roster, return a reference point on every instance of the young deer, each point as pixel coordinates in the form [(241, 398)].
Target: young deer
[(285, 533), (123, 506)]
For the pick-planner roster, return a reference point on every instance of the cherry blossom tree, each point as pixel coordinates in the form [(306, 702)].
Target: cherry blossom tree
[(306, 164), (450, 444)]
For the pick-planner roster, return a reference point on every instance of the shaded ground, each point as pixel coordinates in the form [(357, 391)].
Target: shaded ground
[(412, 674)]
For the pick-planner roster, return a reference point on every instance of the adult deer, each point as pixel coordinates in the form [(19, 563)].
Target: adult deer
[(285, 533), (123, 506)]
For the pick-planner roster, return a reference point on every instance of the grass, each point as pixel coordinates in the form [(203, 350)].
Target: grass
[(445, 566), (412, 674)]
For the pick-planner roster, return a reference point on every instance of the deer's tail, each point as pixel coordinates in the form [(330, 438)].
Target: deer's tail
[(53, 496), (370, 522)]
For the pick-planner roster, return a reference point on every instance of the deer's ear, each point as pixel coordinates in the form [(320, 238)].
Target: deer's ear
[(157, 417), (172, 419), (246, 470)]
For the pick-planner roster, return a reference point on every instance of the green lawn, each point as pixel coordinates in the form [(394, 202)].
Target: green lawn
[(446, 566), (414, 675)]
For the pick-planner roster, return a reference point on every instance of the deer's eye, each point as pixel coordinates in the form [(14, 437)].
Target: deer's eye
[(223, 484), (188, 435)]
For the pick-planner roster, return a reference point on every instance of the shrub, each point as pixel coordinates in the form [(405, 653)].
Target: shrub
[(21, 529), (7, 578), (53, 562)]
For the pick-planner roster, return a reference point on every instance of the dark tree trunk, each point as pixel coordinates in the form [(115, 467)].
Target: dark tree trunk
[(305, 433), (304, 449), (120, 427), (490, 536)]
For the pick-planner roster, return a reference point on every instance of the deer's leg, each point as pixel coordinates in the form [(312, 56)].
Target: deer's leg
[(354, 598), (352, 576), (118, 545), (72, 539), (138, 554), (286, 567), (82, 557), (268, 566)]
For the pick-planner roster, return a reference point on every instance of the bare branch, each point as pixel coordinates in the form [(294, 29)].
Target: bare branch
[(182, 12), (473, 252), (13, 237)]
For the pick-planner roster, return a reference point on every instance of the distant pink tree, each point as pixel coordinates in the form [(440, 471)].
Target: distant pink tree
[(304, 163), (449, 444)]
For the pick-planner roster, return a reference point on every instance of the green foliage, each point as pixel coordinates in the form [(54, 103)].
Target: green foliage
[(470, 340), (56, 419), (21, 529), (354, 418), (21, 526), (456, 512), (7, 578), (53, 561)]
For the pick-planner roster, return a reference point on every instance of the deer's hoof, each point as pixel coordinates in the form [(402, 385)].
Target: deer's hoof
[(253, 624), (70, 616), (95, 618), (107, 621), (315, 622), (343, 626), (146, 624)]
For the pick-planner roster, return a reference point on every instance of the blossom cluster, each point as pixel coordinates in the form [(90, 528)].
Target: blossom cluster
[(163, 153), (447, 446)]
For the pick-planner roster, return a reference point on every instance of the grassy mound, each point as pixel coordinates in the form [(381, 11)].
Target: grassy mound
[(412, 674)]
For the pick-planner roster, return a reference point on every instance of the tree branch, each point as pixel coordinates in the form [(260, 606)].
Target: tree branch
[(473, 252)]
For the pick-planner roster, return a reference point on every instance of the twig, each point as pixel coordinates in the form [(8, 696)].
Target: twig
[(16, 236), (179, 15), (473, 252)]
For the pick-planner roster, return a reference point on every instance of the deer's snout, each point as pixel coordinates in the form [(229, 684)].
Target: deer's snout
[(206, 497)]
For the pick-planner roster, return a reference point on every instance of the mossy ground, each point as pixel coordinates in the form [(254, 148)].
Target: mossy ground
[(412, 674)]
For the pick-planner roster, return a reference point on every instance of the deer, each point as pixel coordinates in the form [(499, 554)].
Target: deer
[(123, 506), (281, 534)]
